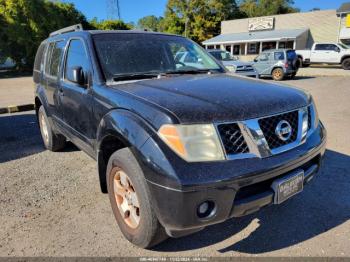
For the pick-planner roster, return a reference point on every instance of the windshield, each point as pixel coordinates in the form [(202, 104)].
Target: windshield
[(343, 46), (223, 56), (137, 53)]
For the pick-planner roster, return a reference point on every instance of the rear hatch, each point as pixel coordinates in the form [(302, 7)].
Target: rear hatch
[(292, 59)]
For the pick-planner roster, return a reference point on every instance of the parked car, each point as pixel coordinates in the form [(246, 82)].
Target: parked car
[(278, 64), (189, 59), (325, 53), (178, 147), (233, 64)]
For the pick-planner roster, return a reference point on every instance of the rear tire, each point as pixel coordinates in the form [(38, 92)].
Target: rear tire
[(299, 63), (278, 74), (346, 64), (52, 141), (136, 218)]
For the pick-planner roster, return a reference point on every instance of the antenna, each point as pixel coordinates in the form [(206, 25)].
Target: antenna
[(113, 10)]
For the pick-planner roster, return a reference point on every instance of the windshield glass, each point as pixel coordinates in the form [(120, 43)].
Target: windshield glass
[(343, 46), (223, 56), (138, 53)]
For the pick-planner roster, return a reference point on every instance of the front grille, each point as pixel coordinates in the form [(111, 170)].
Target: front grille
[(232, 139), (244, 69), (268, 126)]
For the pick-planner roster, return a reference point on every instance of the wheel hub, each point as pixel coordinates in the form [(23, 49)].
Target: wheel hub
[(126, 199)]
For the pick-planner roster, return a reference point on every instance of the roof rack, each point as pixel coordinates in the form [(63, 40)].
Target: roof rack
[(72, 28)]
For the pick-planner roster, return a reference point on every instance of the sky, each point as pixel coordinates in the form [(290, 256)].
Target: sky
[(132, 10)]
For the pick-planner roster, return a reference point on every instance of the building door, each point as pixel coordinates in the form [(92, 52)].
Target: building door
[(236, 49)]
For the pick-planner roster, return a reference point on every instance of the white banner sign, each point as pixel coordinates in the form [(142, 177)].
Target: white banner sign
[(261, 23)]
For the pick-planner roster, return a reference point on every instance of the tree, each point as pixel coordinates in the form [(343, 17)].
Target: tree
[(198, 19), (25, 23), (109, 25), (255, 8), (151, 23)]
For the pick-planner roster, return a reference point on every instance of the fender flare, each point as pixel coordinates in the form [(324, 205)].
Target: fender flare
[(125, 126)]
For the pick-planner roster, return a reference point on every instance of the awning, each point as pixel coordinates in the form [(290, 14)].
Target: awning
[(275, 35)]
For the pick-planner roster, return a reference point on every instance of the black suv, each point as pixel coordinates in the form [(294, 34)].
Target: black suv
[(178, 146)]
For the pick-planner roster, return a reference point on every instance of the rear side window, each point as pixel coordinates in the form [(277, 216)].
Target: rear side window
[(279, 55), (76, 56), (39, 57), (54, 58)]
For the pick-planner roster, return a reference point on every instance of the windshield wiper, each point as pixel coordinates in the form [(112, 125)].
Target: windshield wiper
[(190, 71), (134, 76)]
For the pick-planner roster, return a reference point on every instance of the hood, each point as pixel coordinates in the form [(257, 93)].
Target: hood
[(217, 97), (235, 63)]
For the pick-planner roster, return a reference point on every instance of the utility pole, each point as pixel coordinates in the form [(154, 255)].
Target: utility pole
[(113, 10)]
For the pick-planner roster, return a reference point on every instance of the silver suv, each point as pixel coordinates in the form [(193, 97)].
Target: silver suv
[(279, 64), (233, 64)]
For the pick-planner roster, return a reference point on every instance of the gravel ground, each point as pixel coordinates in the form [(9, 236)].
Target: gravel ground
[(51, 204)]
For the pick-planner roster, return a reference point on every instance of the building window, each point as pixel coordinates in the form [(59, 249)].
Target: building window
[(253, 48), (286, 45), (228, 48), (210, 47), (269, 45)]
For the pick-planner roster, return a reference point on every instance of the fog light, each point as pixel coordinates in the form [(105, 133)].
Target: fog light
[(206, 209)]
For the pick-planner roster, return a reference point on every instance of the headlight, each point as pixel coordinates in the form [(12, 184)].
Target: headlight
[(194, 143)]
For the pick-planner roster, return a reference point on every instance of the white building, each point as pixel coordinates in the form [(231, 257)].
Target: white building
[(249, 36)]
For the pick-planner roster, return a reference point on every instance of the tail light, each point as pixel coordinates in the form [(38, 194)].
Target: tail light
[(286, 65)]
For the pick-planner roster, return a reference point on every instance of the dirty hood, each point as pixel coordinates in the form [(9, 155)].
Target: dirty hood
[(217, 97)]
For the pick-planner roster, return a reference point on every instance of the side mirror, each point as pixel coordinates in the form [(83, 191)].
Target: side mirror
[(76, 75), (337, 49), (255, 60)]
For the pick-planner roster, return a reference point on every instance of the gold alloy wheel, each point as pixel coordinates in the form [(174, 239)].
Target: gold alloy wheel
[(126, 199), (44, 130), (277, 74)]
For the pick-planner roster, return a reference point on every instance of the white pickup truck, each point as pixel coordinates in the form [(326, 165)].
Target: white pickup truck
[(325, 53)]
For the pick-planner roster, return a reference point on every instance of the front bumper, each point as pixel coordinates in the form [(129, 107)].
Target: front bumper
[(237, 187)]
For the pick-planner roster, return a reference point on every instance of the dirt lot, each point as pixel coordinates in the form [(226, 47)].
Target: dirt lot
[(51, 204)]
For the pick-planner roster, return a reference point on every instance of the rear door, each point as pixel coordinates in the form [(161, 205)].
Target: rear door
[(52, 70), (76, 99)]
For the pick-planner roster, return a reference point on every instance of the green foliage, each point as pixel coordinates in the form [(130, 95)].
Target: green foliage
[(198, 19), (109, 25), (151, 23), (256, 8), (25, 23)]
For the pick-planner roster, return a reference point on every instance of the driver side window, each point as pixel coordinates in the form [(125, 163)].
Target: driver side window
[(263, 57), (76, 57)]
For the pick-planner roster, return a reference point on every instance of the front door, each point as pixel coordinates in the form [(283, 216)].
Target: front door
[(76, 99), (262, 64)]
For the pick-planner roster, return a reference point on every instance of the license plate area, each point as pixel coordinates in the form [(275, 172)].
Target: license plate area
[(288, 186)]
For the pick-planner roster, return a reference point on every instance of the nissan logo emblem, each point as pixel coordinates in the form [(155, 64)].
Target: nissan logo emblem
[(283, 130)]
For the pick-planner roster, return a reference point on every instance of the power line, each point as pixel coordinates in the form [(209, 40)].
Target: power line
[(113, 9)]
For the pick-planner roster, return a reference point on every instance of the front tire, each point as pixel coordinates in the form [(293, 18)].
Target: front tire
[(346, 64), (52, 141), (278, 74), (131, 202)]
